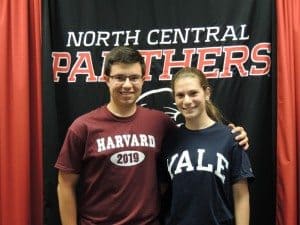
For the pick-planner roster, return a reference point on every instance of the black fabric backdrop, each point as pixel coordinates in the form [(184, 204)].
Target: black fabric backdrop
[(77, 34)]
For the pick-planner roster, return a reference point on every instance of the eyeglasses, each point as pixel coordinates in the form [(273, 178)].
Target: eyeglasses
[(121, 78)]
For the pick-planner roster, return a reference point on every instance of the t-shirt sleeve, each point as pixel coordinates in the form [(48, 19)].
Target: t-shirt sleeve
[(241, 166), (71, 154)]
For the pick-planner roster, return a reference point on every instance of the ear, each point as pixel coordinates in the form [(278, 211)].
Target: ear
[(207, 93), (106, 78)]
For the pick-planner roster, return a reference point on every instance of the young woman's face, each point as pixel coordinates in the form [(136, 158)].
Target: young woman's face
[(190, 97)]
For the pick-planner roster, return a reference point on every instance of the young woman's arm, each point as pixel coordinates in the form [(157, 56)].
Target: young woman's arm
[(241, 202)]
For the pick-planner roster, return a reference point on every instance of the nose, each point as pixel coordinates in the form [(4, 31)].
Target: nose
[(186, 99), (127, 83)]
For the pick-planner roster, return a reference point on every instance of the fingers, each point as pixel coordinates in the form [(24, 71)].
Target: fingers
[(246, 146), (244, 143), (231, 125), (241, 133), (241, 136)]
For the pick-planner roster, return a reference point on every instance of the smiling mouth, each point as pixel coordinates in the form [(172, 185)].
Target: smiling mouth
[(126, 93), (188, 110)]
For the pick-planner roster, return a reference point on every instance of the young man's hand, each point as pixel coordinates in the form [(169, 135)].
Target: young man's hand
[(242, 137)]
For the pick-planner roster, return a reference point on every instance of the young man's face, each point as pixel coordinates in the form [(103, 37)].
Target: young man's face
[(125, 84)]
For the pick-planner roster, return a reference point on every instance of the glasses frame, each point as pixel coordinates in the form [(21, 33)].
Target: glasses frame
[(122, 78)]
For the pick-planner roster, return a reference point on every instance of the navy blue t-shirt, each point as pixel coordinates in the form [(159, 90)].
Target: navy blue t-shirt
[(201, 167)]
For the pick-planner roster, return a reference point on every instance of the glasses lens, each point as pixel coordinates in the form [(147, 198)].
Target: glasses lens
[(122, 78)]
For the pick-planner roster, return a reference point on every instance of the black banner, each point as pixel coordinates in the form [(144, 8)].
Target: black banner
[(231, 41)]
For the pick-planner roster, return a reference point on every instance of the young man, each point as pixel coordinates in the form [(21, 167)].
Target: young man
[(111, 153)]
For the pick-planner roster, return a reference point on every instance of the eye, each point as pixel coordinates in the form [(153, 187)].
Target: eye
[(119, 77), (179, 95), (193, 93), (134, 78)]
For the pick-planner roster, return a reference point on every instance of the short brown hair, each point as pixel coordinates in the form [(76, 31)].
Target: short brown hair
[(123, 54)]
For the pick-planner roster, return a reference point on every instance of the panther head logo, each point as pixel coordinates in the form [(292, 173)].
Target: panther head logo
[(161, 99)]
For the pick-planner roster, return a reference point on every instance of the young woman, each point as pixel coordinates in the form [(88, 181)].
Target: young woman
[(207, 170)]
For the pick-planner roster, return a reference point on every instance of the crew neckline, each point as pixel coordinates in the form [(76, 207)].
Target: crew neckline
[(199, 130), (120, 118)]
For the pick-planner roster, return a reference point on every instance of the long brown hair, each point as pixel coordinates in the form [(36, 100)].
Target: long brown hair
[(212, 111)]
